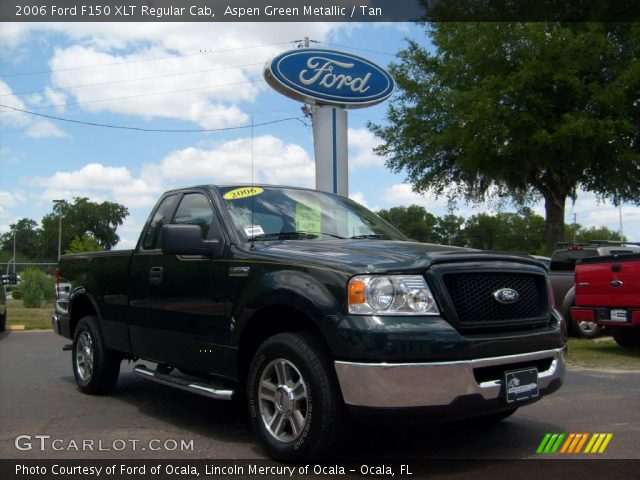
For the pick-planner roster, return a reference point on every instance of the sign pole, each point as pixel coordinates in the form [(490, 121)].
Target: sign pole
[(330, 147)]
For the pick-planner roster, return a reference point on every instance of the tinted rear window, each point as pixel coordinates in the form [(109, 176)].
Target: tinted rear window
[(565, 260)]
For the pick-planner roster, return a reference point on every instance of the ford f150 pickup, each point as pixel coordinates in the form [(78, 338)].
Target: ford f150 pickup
[(308, 307), (608, 293)]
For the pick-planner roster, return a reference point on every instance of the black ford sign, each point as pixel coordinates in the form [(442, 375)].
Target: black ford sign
[(328, 77)]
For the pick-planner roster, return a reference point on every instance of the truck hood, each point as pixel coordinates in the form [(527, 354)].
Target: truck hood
[(362, 256)]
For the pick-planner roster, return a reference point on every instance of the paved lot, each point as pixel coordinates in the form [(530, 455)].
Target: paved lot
[(38, 396)]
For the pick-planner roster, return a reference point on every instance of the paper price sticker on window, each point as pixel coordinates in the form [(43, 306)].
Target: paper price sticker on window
[(242, 193), (308, 218)]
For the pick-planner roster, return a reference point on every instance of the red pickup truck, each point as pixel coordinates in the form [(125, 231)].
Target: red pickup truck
[(608, 293)]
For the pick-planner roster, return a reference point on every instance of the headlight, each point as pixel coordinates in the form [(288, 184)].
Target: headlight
[(390, 295)]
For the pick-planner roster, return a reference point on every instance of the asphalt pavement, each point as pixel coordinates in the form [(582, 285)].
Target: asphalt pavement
[(43, 415)]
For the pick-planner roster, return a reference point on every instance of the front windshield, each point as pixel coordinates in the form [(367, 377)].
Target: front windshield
[(270, 213)]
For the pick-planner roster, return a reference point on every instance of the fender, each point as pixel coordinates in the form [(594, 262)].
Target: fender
[(567, 303), (291, 288)]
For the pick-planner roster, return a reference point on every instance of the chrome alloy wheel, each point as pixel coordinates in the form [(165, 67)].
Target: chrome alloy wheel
[(283, 400), (84, 356)]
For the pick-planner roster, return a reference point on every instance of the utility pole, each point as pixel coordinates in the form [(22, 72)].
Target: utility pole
[(575, 227), (14, 250), (58, 202), (620, 215)]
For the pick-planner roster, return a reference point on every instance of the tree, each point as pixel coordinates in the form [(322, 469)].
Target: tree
[(414, 221), (518, 232), (81, 217), (596, 233), (448, 230), (85, 243), (525, 111), (27, 238)]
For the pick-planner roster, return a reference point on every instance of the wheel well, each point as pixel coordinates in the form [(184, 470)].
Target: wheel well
[(266, 323), (81, 307)]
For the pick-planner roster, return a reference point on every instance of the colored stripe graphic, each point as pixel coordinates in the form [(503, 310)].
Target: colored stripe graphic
[(573, 443)]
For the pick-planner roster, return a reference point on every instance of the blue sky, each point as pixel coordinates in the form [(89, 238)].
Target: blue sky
[(184, 76)]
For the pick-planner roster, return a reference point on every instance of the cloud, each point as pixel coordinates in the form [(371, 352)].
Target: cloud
[(8, 199), (34, 127), (401, 194), (195, 72), (274, 162), (361, 145)]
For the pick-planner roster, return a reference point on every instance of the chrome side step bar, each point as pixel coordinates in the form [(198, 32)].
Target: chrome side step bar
[(201, 388)]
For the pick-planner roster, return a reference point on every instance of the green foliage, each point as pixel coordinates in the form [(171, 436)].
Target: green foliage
[(413, 221), (85, 243), (520, 232), (27, 238), (82, 217), (16, 292), (520, 110), (594, 233), (36, 287)]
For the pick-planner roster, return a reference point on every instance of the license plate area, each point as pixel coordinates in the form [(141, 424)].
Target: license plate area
[(521, 385), (618, 316)]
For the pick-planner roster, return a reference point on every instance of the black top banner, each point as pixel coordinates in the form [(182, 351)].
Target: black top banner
[(318, 10)]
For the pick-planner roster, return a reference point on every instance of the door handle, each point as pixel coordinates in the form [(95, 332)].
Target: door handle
[(155, 276)]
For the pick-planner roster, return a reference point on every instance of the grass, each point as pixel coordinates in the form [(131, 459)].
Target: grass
[(31, 318), (602, 353)]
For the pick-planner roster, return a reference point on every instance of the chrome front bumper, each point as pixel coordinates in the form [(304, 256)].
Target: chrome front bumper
[(407, 385)]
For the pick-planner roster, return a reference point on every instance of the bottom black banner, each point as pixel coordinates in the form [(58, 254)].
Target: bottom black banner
[(539, 469)]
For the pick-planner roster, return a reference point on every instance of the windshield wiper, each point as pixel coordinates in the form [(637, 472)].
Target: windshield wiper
[(375, 236), (285, 235)]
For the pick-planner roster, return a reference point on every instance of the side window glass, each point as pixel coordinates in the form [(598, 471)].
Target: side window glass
[(151, 238), (195, 209)]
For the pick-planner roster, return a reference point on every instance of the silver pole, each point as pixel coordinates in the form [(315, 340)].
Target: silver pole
[(57, 202), (14, 250), (620, 215)]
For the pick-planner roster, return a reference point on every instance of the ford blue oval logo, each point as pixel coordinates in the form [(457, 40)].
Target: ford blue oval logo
[(328, 77), (506, 295)]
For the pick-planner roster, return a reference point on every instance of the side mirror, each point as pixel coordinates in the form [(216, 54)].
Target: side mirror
[(187, 240)]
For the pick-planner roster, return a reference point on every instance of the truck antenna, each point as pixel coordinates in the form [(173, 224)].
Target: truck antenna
[(252, 181)]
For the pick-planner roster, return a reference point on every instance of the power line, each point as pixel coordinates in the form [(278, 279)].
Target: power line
[(124, 62), (350, 47), (145, 95), (133, 79), (140, 129)]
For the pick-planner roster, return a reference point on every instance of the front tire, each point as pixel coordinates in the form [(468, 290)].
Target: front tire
[(293, 396), (95, 367)]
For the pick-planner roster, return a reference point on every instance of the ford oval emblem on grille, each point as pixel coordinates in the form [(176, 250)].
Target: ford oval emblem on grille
[(506, 295)]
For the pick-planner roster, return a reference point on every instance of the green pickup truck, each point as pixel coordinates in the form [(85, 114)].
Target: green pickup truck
[(308, 308)]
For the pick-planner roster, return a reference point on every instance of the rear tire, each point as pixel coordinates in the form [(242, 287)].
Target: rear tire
[(95, 367), (294, 400), (627, 337), (582, 329)]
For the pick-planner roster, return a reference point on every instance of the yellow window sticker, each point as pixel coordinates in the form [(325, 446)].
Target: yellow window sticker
[(308, 218), (243, 192)]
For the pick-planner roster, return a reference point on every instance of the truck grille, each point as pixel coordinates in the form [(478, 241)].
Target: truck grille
[(472, 298)]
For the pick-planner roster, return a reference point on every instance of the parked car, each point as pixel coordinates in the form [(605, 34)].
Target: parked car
[(608, 294), (11, 279), (3, 308), (305, 305), (562, 272)]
